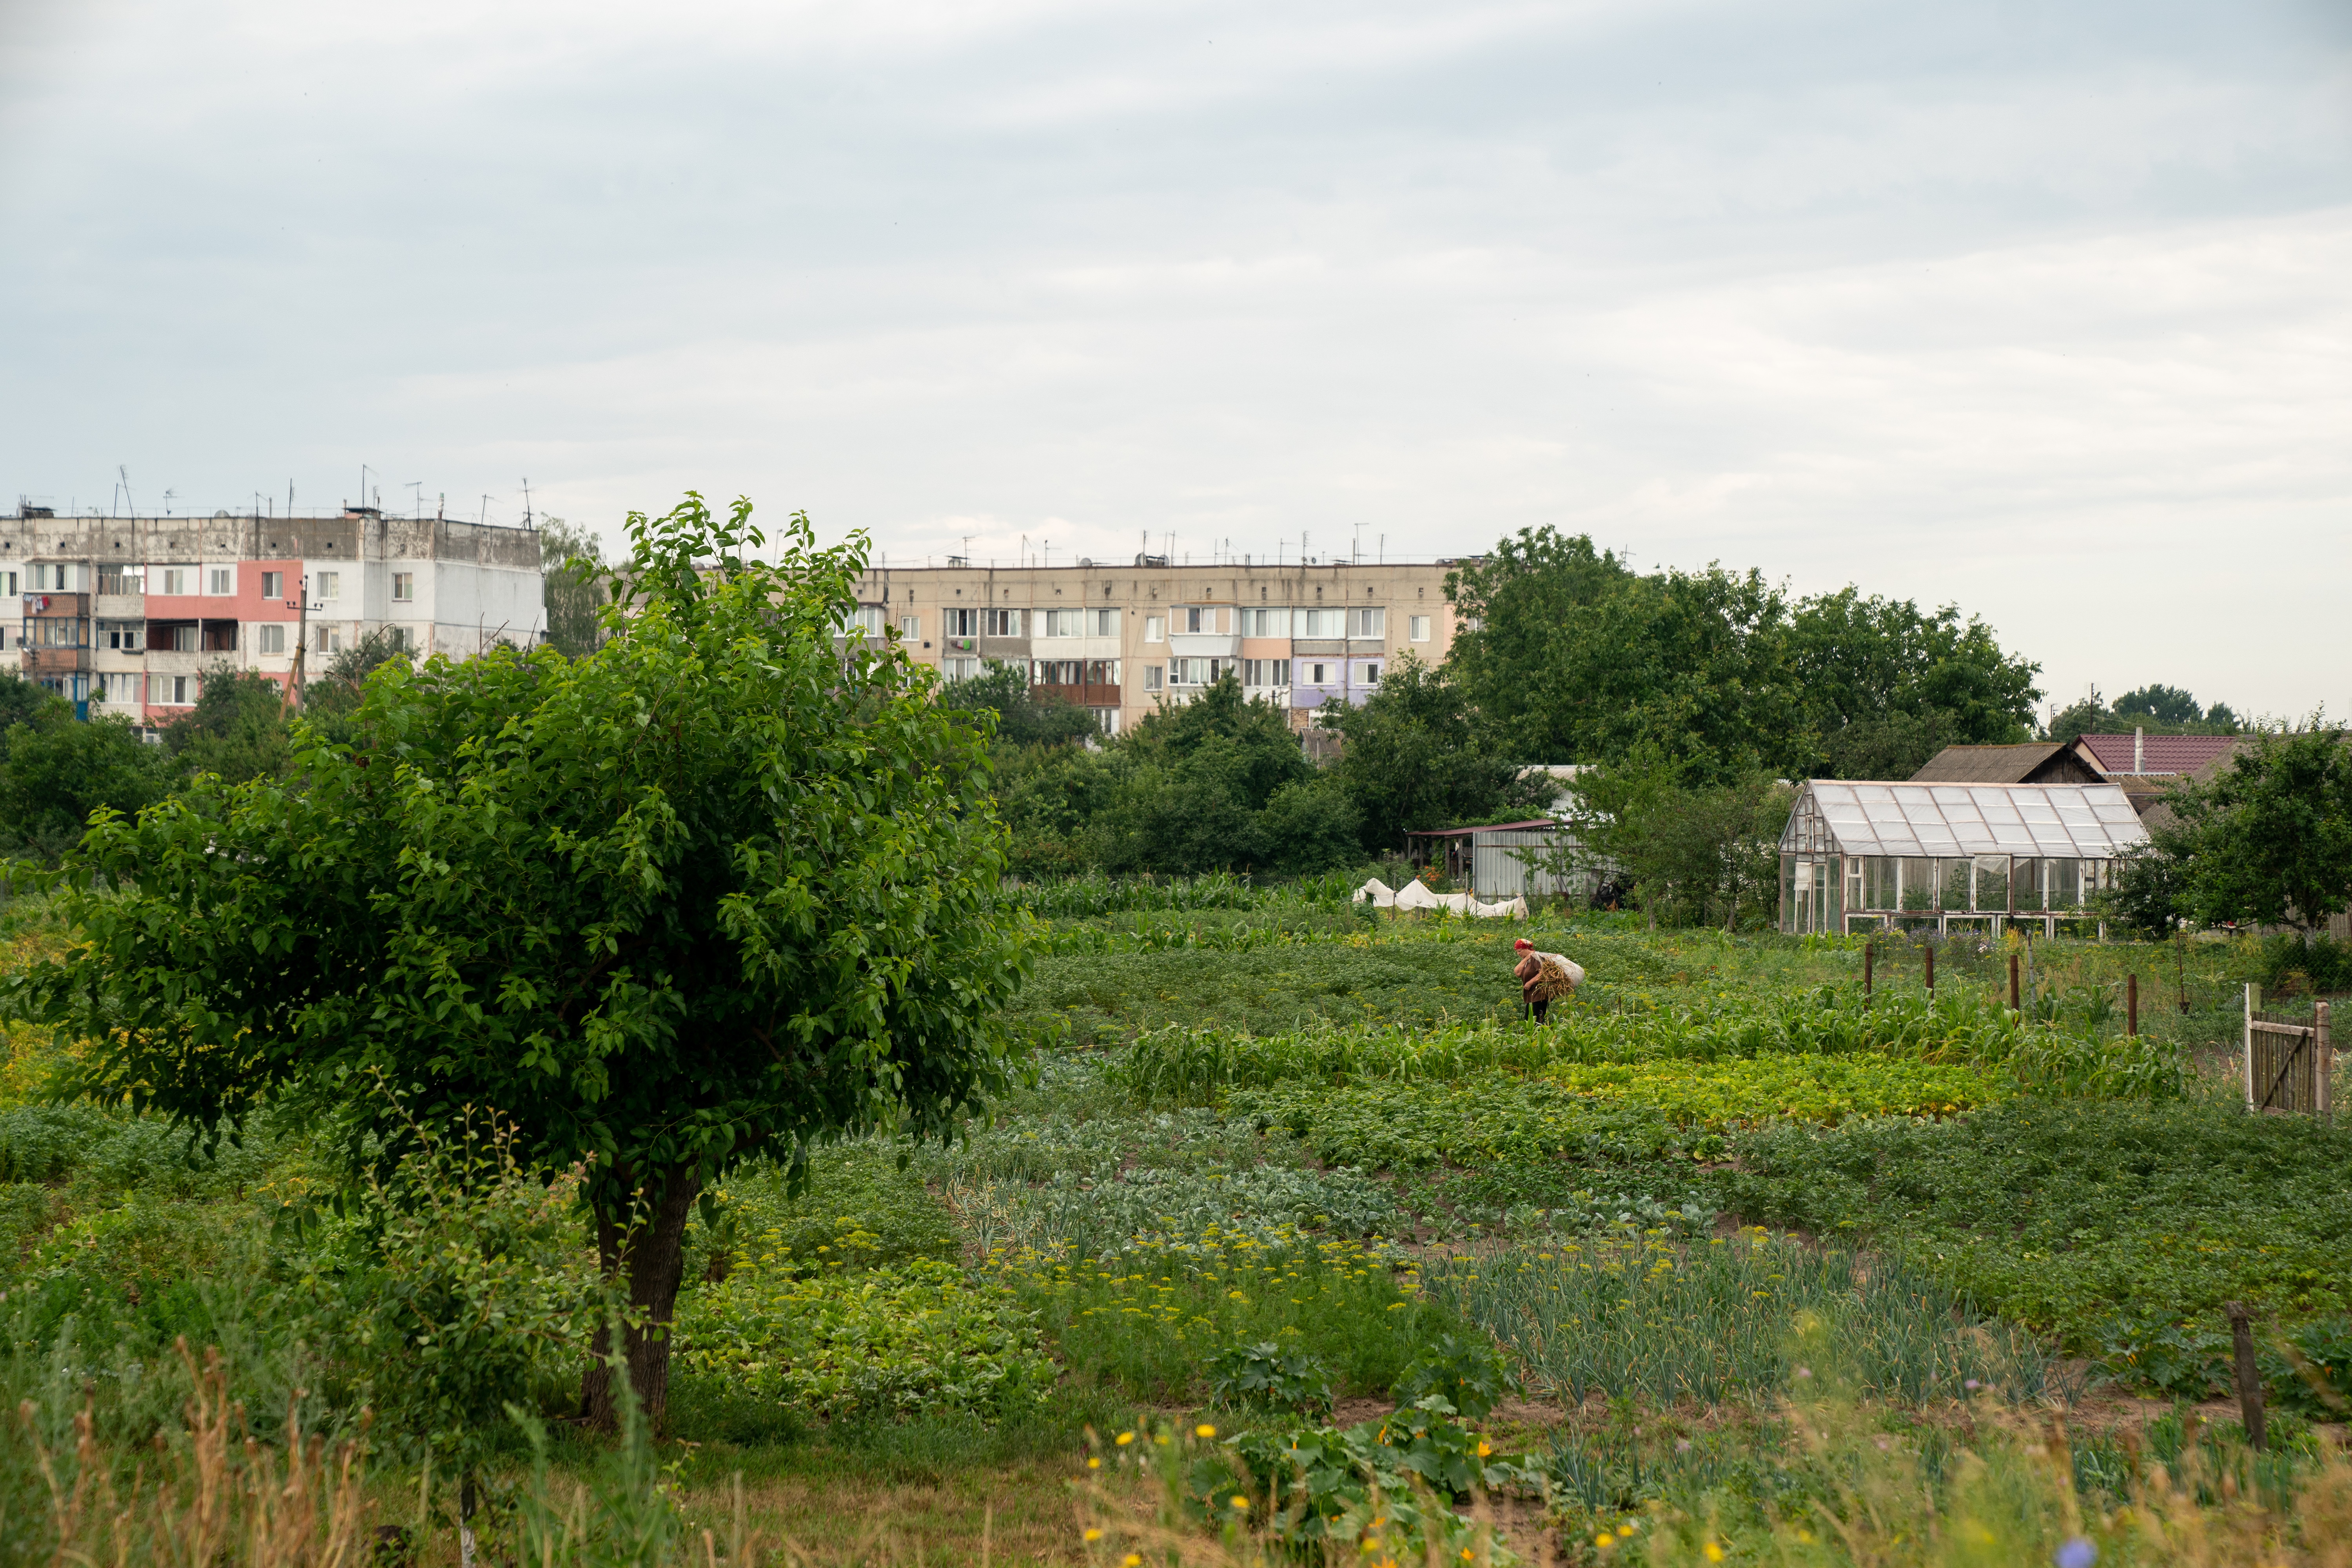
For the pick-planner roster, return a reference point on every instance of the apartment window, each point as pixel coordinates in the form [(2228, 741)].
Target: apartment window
[(122, 637), (331, 639), (403, 587), (1155, 628), (1417, 628), (1370, 674), (61, 577), (269, 637), (220, 580), (1060, 623), (962, 623), (960, 669), (184, 638), (910, 627), (170, 691), (1105, 623), (1318, 675), (273, 585), (1107, 720), (1151, 673), (121, 580), (329, 585), (121, 687), (56, 633), (1322, 623), (1265, 623), (864, 621), (175, 580), (1373, 623), (1264, 672), (999, 623), (9, 584)]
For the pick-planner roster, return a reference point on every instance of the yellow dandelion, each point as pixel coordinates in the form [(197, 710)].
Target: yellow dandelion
[(1093, 1535), (1239, 1501), (1205, 1430)]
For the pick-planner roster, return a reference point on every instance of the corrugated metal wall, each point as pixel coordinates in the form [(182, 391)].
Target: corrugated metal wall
[(1497, 871)]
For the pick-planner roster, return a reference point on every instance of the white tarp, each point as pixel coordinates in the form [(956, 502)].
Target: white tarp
[(1413, 895)]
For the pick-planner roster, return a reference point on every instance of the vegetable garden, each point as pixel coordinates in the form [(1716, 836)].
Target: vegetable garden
[(1293, 1242)]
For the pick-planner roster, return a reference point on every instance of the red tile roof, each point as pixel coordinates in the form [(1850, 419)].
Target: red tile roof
[(2163, 753)]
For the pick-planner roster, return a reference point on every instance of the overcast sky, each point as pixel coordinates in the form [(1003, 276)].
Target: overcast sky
[(2042, 309)]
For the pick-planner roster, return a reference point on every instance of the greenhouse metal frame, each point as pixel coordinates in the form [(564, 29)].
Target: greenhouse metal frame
[(1859, 856)]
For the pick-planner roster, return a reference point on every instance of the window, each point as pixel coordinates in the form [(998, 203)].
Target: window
[(962, 623), (403, 587), (169, 690), (175, 580), (1371, 676), (62, 577), (1155, 628), (1108, 719), (1198, 671), (1371, 623), (121, 580), (910, 627), (121, 687), (269, 637), (122, 637), (403, 639), (960, 669), (184, 638), (1059, 672), (273, 585), (1061, 624), (57, 633), (1417, 628), (1265, 623), (1152, 678), (9, 584), (1106, 624), (1322, 623), (1318, 675), (999, 623), (220, 580), (1264, 672), (1191, 619), (329, 585), (864, 621), (331, 639)]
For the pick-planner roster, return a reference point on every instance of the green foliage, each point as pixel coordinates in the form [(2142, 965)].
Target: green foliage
[(1024, 715), (236, 729), (1415, 758), (1650, 1319), (856, 1191), (1887, 686), (56, 770), (719, 888), (1696, 855), (2104, 1221), (465, 1283), (1466, 1370), (1266, 1375), (2158, 708), (572, 568), (885, 1342), (2269, 838)]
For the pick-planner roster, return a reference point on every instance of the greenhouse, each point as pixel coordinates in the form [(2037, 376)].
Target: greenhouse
[(1916, 856)]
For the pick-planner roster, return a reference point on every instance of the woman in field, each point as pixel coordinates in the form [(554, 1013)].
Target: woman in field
[(1545, 977)]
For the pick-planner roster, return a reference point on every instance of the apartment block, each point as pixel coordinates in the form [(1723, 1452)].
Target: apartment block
[(126, 615), (1122, 639)]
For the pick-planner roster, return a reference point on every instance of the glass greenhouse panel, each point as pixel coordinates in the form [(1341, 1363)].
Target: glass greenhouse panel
[(1992, 884)]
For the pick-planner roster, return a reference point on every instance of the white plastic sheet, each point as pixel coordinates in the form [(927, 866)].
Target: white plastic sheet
[(1415, 896)]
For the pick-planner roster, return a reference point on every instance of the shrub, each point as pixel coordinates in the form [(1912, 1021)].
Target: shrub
[(1465, 1369), (1266, 1374)]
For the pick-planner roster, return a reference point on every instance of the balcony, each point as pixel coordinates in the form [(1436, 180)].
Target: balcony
[(1088, 696)]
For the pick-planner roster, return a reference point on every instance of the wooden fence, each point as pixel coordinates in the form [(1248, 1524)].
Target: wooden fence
[(2288, 1063)]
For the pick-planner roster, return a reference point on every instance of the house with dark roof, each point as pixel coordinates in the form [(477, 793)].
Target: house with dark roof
[(2036, 762), (2142, 755)]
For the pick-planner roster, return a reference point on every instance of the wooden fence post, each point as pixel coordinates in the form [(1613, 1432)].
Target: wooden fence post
[(1931, 971), (2323, 1062), (2131, 1003), (2012, 982), (2253, 1000), (2249, 1377)]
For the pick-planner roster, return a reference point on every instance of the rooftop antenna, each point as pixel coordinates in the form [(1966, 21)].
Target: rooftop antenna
[(289, 496), (485, 511), (168, 497), (124, 469), (1357, 558), (416, 501), (364, 471), (526, 503)]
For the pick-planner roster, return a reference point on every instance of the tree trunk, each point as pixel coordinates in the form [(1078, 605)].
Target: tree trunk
[(652, 1254)]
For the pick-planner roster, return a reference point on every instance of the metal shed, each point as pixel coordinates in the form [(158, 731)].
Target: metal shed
[(1868, 856), (1493, 860)]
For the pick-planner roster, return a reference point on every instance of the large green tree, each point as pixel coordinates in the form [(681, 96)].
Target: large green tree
[(1417, 757), (1887, 686), (55, 770), (719, 888), (2269, 838), (236, 729), (1569, 657), (572, 582)]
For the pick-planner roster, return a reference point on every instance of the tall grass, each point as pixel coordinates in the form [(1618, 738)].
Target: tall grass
[(1194, 1064), (1096, 894), (1661, 1322)]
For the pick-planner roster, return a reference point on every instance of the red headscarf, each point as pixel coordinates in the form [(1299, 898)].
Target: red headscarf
[(1524, 945)]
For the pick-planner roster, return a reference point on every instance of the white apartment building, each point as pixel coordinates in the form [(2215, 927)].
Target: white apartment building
[(1121, 639), (125, 614)]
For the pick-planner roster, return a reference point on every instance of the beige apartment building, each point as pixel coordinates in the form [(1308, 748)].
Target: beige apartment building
[(1122, 639)]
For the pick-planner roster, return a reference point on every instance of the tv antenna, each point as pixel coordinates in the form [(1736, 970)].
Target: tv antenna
[(130, 505), (416, 501), (169, 496), (485, 511), (526, 503)]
